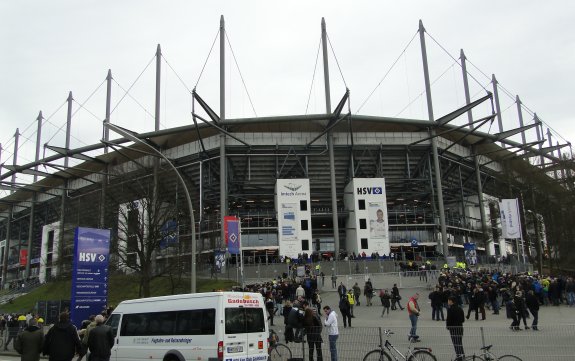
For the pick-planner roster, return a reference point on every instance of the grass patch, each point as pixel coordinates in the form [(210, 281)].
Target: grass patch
[(120, 287)]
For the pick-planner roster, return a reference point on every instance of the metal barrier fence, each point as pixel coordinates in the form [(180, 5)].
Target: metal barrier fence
[(553, 343)]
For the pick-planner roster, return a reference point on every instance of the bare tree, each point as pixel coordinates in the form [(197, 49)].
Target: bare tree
[(141, 233)]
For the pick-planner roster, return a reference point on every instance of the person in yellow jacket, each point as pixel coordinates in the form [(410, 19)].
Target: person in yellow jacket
[(351, 301)]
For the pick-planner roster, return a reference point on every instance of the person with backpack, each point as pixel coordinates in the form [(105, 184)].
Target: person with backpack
[(313, 327)]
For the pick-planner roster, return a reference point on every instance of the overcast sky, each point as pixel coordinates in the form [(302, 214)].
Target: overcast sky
[(53, 47)]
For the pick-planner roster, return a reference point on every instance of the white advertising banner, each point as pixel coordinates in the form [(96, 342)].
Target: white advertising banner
[(510, 221), (289, 219)]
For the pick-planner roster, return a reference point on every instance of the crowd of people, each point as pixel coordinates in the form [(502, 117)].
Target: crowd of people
[(296, 300), (62, 342)]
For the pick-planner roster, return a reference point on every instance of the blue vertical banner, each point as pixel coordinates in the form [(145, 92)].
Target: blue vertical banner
[(233, 235), (89, 273)]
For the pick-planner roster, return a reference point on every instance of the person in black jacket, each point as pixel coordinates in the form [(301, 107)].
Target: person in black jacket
[(345, 308), (100, 341), (436, 304), (312, 325), (13, 329), (62, 341), (454, 324), (532, 303)]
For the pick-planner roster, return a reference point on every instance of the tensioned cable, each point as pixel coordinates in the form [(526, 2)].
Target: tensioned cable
[(477, 68), (508, 93), (336, 61), (423, 92), (134, 99), (72, 115), (134, 83), (207, 58), (452, 57), (177, 75), (240, 72), (387, 73), (47, 120), (313, 76)]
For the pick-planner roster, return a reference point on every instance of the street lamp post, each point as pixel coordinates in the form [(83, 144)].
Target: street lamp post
[(132, 136)]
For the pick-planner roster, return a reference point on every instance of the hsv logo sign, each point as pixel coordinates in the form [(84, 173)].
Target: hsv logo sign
[(370, 190), (90, 257)]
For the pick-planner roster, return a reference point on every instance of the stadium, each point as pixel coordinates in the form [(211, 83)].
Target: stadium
[(314, 184)]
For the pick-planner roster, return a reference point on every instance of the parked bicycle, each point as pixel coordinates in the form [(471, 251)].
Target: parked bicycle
[(387, 351), (487, 355), (277, 351)]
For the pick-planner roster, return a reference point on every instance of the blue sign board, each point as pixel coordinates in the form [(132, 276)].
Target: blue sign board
[(414, 242), (89, 273), (169, 233)]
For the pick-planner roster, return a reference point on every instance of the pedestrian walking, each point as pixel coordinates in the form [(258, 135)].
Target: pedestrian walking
[(62, 341), (395, 298), (368, 291), (312, 325), (100, 340), (436, 298), (333, 280), (385, 301), (454, 324), (532, 303), (344, 308), (351, 301), (356, 293), (29, 343), (413, 311), (332, 331)]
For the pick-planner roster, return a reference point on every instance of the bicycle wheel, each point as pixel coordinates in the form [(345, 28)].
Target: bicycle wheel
[(280, 353), (509, 358), (377, 355), (421, 355)]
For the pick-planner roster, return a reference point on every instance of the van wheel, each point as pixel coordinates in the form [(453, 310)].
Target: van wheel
[(171, 358)]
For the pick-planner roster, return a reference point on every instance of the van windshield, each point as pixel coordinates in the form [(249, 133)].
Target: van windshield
[(244, 320)]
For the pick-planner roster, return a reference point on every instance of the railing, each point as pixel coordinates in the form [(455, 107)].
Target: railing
[(554, 343), (7, 295)]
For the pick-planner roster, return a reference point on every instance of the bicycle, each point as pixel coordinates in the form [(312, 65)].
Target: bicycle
[(387, 351), (277, 351), (489, 356)]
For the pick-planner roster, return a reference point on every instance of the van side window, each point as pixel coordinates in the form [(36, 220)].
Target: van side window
[(244, 320), (191, 322), (113, 322)]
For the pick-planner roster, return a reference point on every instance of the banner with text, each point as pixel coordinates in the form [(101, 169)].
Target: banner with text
[(89, 273), (510, 222)]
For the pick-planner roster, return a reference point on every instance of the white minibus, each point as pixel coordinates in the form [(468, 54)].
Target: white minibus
[(224, 326)]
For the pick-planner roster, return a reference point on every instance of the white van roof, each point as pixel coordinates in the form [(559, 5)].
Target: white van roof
[(234, 295)]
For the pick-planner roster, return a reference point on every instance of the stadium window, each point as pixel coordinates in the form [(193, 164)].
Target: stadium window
[(305, 244), (303, 205), (304, 225), (361, 204), (362, 223), (364, 243)]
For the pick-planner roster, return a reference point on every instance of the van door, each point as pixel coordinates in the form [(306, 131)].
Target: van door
[(245, 332), (114, 322), (257, 333)]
